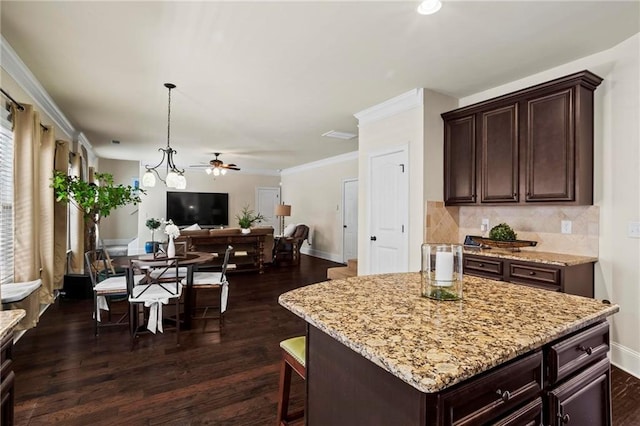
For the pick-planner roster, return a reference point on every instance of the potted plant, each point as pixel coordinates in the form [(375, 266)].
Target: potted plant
[(95, 200), (247, 218), (152, 224)]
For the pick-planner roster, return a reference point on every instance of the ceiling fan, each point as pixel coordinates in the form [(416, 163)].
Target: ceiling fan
[(218, 167)]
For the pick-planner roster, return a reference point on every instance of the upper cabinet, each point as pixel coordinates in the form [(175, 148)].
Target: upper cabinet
[(530, 146)]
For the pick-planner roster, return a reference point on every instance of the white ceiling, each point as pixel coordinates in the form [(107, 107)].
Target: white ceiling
[(261, 81)]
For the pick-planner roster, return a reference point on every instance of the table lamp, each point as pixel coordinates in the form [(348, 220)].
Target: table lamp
[(281, 211)]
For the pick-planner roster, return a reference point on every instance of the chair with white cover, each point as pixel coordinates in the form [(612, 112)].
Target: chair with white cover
[(158, 283), (106, 286), (210, 280)]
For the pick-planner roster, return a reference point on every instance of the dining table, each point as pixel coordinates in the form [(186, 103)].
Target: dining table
[(189, 259)]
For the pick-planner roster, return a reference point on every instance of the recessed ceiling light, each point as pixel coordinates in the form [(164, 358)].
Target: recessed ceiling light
[(339, 135), (429, 7)]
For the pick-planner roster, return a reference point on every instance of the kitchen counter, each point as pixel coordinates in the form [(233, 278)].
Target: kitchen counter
[(9, 319), (558, 259), (432, 345)]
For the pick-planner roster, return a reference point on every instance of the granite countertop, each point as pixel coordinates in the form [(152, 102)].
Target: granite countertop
[(558, 259), (9, 319), (434, 344)]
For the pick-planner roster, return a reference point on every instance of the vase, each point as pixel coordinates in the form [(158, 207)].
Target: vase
[(442, 271), (148, 246), (246, 230), (171, 248)]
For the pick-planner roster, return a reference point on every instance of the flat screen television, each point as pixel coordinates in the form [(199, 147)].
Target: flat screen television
[(203, 208)]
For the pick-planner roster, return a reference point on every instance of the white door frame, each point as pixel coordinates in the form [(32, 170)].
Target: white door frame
[(405, 237), (344, 182)]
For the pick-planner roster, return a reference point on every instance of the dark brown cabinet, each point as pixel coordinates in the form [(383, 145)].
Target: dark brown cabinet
[(7, 378), (499, 169), (572, 279), (561, 383), (530, 146), (460, 160)]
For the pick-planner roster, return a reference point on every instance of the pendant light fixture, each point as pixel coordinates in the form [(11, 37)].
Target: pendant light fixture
[(174, 177)]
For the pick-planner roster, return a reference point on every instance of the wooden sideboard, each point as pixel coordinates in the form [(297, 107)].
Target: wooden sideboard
[(247, 253)]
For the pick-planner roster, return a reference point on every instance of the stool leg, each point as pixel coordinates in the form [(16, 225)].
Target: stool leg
[(285, 388)]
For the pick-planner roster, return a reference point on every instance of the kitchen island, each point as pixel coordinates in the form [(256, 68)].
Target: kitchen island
[(379, 353)]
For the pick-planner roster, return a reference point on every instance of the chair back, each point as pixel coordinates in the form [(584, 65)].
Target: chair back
[(225, 263), (301, 233), (96, 264), (181, 248), (163, 273)]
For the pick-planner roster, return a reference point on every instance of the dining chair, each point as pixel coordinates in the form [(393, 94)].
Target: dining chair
[(157, 283), (293, 359), (106, 286), (202, 281)]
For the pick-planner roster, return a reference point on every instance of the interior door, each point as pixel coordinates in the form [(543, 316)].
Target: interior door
[(349, 220), (389, 212), (266, 201)]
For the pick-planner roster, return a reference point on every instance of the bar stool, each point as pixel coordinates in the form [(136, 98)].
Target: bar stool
[(293, 358)]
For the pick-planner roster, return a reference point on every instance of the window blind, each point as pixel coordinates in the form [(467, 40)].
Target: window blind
[(6, 201)]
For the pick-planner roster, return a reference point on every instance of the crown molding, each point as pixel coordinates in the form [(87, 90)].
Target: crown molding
[(321, 163), (17, 69), (401, 103)]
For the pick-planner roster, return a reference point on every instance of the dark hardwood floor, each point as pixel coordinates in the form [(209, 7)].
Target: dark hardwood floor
[(65, 376)]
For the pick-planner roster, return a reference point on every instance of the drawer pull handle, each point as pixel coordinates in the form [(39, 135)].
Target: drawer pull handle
[(564, 419), (504, 395), (481, 264), (532, 273), (588, 350)]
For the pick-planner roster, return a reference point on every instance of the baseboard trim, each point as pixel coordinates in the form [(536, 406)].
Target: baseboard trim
[(333, 257), (625, 359)]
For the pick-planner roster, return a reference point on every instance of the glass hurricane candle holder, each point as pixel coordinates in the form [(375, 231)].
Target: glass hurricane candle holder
[(441, 271)]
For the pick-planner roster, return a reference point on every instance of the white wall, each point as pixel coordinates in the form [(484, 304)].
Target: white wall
[(314, 192), (616, 181), (241, 188), (122, 223)]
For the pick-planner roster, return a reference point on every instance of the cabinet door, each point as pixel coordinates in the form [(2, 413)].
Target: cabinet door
[(583, 400), (550, 147), (460, 160), (499, 154)]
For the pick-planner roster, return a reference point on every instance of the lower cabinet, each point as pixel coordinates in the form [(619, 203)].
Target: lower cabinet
[(583, 400), (566, 382), (7, 378), (575, 279)]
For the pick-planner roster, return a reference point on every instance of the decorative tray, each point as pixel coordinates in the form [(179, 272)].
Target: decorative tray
[(509, 245)]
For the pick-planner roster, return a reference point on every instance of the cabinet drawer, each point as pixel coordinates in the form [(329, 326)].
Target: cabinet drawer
[(484, 267), (539, 275), (490, 396), (578, 351), (529, 415)]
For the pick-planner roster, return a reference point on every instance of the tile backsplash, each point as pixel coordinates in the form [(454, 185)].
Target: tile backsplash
[(537, 223)]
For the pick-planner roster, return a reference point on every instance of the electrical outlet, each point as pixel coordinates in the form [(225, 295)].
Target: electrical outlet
[(565, 226), (484, 227), (634, 230)]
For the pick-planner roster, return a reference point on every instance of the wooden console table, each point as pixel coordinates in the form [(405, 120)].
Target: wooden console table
[(247, 253)]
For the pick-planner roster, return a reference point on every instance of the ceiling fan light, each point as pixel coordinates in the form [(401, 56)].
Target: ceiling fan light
[(223, 171), (148, 180), (429, 7), (216, 171), (208, 170)]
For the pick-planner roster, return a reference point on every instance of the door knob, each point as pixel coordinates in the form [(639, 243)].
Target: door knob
[(344, 226), (373, 238)]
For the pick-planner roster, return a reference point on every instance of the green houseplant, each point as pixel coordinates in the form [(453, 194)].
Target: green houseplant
[(247, 218), (502, 232), (152, 224), (95, 200)]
